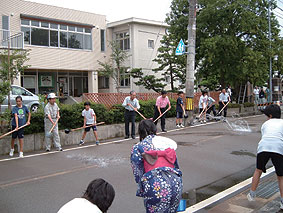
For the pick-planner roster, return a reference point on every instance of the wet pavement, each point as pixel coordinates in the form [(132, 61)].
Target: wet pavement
[(43, 182)]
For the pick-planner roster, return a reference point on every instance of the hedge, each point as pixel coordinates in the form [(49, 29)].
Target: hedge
[(71, 115)]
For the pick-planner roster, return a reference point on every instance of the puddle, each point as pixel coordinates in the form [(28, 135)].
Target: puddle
[(99, 161), (243, 152)]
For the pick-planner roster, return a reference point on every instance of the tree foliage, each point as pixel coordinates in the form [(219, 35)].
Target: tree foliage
[(114, 68), (150, 82), (232, 44), (10, 69)]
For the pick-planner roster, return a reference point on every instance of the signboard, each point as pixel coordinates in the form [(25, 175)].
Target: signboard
[(180, 48), (46, 80)]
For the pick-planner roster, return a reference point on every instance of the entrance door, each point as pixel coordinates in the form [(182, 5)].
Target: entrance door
[(78, 86), (63, 86)]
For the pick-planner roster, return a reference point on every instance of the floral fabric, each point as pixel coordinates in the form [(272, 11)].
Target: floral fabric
[(161, 188)]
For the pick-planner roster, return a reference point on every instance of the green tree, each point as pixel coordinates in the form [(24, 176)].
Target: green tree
[(115, 68), (150, 82), (232, 44), (12, 64)]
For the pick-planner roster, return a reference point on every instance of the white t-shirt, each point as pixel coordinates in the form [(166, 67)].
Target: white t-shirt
[(89, 115), (202, 99), (223, 97), (256, 91), (272, 136), (78, 205)]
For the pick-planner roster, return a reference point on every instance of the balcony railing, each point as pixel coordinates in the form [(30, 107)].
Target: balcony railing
[(14, 40)]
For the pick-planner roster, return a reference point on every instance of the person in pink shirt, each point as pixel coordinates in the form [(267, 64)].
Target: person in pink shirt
[(160, 107)]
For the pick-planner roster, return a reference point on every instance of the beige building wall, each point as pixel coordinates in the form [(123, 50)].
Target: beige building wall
[(141, 56), (54, 58)]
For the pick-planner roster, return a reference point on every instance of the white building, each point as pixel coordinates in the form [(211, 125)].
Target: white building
[(65, 47)]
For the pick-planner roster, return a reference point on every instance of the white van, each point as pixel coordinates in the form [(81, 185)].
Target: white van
[(29, 99)]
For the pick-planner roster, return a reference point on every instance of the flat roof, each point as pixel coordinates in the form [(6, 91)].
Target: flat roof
[(136, 20)]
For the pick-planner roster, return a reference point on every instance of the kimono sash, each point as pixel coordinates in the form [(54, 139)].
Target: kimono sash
[(156, 159)]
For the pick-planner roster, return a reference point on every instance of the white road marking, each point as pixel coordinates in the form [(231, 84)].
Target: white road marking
[(225, 193), (111, 142)]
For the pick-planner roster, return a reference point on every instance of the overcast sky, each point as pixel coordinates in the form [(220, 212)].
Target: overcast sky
[(117, 9), (122, 9)]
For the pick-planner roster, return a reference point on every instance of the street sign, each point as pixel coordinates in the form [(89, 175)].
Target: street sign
[(180, 48)]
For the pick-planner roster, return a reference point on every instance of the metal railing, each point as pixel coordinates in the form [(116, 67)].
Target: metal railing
[(13, 40)]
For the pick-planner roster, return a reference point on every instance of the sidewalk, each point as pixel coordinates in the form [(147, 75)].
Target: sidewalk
[(234, 199)]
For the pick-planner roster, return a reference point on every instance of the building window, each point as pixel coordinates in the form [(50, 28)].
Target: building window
[(39, 37), (102, 40), (150, 44), (103, 82), (125, 80), (56, 35), (53, 38), (123, 39), (26, 31)]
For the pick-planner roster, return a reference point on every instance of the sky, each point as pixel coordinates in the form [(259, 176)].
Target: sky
[(121, 9), (117, 9)]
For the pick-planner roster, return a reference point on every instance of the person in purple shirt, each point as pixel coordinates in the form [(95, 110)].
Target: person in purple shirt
[(160, 107)]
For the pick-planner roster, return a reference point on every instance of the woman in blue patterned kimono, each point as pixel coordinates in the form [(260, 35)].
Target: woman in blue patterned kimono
[(156, 170)]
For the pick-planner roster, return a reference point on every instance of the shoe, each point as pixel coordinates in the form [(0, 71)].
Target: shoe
[(250, 197), (97, 142), (126, 137), (201, 122), (81, 142), (60, 150), (181, 125), (21, 155), (164, 130), (281, 205), (47, 150), (133, 137), (11, 152), (204, 121), (177, 126)]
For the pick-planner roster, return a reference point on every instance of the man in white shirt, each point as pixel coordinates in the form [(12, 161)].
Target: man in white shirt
[(256, 94), (224, 98), (131, 105)]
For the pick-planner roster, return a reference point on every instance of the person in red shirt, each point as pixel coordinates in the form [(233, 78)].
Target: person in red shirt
[(160, 107)]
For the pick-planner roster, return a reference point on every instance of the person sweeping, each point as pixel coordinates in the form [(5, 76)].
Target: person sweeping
[(51, 117), (19, 119), (269, 147), (89, 122)]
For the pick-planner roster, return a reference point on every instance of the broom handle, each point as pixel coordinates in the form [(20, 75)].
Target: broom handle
[(137, 111), (223, 108), (87, 126), (54, 125), (8, 133), (161, 114)]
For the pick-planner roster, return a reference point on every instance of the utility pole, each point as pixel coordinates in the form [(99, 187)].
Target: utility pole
[(270, 58), (190, 69)]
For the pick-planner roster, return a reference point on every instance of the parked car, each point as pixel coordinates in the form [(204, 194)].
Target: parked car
[(29, 99)]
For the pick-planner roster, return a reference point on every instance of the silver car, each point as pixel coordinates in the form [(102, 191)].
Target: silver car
[(29, 99)]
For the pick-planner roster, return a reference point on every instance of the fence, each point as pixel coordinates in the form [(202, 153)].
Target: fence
[(110, 99), (16, 39)]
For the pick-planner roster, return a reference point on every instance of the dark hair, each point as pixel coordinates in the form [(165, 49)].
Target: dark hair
[(100, 193), (273, 110), (19, 97), (180, 92), (163, 92), (87, 103), (146, 127), (132, 92), (204, 92)]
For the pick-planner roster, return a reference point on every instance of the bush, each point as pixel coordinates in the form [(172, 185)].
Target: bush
[(248, 104), (71, 115)]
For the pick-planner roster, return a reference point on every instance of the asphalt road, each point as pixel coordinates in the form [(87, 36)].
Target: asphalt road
[(43, 182)]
